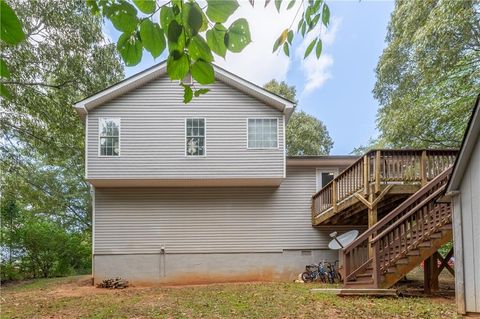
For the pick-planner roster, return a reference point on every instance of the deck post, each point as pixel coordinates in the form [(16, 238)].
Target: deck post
[(375, 265), (372, 218), (334, 195), (430, 274), (377, 171), (365, 174), (423, 168)]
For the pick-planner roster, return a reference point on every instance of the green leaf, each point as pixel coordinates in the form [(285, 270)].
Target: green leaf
[(220, 11), (310, 48), (285, 49), (174, 31), (318, 50), (166, 16), (278, 4), (290, 36), (146, 6), (300, 23), (152, 37), (199, 49), (203, 72), (10, 27), (4, 72), (123, 16), (4, 92), (187, 93), (304, 28), (291, 4), (325, 15), (130, 48), (216, 39), (177, 65), (316, 5), (314, 22), (201, 91), (276, 45), (238, 35), (192, 17)]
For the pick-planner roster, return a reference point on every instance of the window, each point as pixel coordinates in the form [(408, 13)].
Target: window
[(195, 137), (262, 133), (109, 137), (325, 176)]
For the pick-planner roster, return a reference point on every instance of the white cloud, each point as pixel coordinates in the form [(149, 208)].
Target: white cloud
[(256, 62), (317, 71)]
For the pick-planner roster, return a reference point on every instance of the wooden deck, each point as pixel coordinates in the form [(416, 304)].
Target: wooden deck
[(399, 194), (375, 184)]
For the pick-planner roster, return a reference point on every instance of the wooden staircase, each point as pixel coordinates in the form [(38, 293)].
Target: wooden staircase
[(400, 241)]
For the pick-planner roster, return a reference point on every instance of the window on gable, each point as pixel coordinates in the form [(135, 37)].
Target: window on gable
[(109, 132), (195, 137), (262, 133)]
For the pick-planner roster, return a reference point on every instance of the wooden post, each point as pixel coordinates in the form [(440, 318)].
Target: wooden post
[(334, 195), (376, 265), (423, 168), (372, 218), (377, 171), (430, 276), (365, 174)]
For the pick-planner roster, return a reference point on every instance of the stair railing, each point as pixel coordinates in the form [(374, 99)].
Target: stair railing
[(398, 232), (379, 167)]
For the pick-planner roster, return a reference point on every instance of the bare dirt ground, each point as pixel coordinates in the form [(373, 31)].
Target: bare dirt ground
[(74, 297)]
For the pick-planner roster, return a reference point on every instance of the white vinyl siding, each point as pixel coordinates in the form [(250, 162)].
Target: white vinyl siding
[(195, 137), (211, 219), (262, 133), (109, 137), (152, 137)]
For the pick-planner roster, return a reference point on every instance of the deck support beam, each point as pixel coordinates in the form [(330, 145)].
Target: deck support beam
[(431, 270)]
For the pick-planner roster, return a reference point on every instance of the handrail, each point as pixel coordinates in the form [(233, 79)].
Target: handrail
[(380, 166), (381, 223), (399, 231), (408, 214)]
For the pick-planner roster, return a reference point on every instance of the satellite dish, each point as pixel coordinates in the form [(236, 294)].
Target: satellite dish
[(343, 240)]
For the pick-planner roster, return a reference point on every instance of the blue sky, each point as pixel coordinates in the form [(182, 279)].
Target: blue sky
[(337, 89)]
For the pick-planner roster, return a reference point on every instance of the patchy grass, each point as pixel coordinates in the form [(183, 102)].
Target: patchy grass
[(73, 297)]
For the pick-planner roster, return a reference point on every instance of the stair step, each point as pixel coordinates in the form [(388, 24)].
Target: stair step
[(426, 243), (414, 252), (436, 235), (402, 261), (365, 275), (446, 227)]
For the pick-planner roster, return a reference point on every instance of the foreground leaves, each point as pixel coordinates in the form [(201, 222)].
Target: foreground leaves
[(188, 33)]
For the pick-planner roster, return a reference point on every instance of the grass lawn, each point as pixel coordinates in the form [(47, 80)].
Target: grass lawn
[(73, 297)]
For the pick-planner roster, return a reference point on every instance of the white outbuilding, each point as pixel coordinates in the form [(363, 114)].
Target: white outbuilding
[(464, 188)]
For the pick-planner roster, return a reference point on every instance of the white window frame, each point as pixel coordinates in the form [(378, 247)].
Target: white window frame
[(319, 171), (278, 133), (119, 136), (204, 138)]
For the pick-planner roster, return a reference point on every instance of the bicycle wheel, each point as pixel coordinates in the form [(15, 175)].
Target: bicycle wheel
[(306, 276)]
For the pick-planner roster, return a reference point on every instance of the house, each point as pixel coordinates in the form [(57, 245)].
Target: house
[(200, 192), (464, 188)]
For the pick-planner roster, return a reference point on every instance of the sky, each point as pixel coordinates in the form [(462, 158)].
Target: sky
[(337, 88)]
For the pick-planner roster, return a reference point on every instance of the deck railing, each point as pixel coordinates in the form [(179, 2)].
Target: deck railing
[(399, 231), (379, 167)]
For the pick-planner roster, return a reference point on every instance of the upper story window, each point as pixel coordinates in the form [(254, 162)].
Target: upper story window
[(262, 133), (109, 134), (195, 137)]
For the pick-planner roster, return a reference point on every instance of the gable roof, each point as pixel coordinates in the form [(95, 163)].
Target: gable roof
[(472, 133), (273, 100)]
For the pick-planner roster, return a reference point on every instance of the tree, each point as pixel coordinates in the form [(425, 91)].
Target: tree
[(191, 32), (429, 74), (63, 58), (282, 89), (305, 134)]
